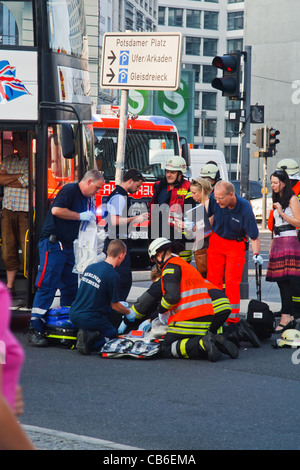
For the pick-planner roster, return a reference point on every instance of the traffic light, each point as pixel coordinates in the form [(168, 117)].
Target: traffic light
[(229, 84), (259, 140), (272, 140)]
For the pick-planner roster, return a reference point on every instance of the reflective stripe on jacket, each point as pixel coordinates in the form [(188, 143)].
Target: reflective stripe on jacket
[(194, 299)]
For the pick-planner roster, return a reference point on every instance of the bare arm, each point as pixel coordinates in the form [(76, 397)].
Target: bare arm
[(255, 244), (64, 213), (12, 435), (295, 206)]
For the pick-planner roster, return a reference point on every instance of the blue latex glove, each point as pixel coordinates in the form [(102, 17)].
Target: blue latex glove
[(258, 259), (131, 315), (87, 216), (163, 318), (122, 327), (145, 326)]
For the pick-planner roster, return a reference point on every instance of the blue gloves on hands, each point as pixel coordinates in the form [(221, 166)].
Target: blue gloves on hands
[(87, 216)]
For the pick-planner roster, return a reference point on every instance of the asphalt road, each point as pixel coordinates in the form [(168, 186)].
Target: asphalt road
[(165, 404), (88, 402)]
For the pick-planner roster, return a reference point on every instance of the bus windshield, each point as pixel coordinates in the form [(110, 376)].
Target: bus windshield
[(146, 151)]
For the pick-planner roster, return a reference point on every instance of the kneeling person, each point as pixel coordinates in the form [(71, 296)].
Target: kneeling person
[(187, 309), (96, 296)]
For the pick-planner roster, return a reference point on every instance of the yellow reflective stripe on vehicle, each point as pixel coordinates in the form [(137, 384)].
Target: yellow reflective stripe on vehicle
[(183, 348)]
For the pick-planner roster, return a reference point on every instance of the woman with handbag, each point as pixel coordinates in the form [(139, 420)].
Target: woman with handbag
[(284, 259)]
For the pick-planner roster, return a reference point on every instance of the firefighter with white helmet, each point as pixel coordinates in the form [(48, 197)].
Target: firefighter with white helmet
[(211, 171), (187, 309), (171, 198)]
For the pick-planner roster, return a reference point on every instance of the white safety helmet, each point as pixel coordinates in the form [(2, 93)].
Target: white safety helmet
[(290, 338), (210, 170), (176, 163), (157, 244), (289, 165)]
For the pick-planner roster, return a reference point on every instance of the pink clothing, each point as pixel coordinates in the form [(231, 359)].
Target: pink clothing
[(14, 354)]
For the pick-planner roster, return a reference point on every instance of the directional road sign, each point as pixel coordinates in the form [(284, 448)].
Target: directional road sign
[(141, 61)]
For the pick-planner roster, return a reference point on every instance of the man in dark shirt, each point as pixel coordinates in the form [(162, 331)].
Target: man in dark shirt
[(97, 295), (70, 207)]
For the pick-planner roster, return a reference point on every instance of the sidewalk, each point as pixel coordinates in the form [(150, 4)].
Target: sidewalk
[(269, 290)]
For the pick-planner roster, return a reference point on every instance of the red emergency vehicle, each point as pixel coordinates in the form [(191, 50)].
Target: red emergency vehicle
[(150, 142)]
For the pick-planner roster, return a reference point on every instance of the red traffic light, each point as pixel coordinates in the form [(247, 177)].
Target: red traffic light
[(229, 84), (227, 62)]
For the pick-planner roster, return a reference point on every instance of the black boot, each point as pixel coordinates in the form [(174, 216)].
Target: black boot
[(207, 344), (86, 339), (35, 337), (246, 333), (226, 346)]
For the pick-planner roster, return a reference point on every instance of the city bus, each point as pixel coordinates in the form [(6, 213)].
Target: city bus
[(44, 91), (150, 142)]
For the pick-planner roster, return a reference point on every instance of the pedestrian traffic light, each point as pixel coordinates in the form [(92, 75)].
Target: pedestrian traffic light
[(272, 140), (229, 84), (259, 138)]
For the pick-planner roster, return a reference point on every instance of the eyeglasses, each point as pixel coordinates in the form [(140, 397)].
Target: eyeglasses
[(220, 198)]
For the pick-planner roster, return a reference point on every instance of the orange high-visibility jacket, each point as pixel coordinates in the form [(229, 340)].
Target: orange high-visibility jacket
[(194, 299)]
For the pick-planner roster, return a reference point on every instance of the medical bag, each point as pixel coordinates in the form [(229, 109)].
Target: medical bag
[(59, 329)]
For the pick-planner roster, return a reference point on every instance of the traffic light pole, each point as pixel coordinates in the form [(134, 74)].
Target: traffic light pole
[(245, 160)]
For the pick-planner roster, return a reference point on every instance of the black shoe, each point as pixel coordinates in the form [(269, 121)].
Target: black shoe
[(245, 333), (208, 345), (85, 341), (36, 338), (225, 346)]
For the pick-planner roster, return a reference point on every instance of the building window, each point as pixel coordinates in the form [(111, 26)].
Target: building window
[(235, 20), (161, 16), (210, 47), (210, 127), (209, 101), (193, 18), (235, 45), (211, 20), (196, 68), (231, 128), (192, 45), (208, 73), (175, 17)]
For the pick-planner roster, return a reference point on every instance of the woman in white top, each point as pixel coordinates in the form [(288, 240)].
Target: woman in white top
[(284, 260)]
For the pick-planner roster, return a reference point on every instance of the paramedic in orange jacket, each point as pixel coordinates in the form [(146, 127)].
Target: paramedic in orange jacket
[(187, 309), (233, 222)]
